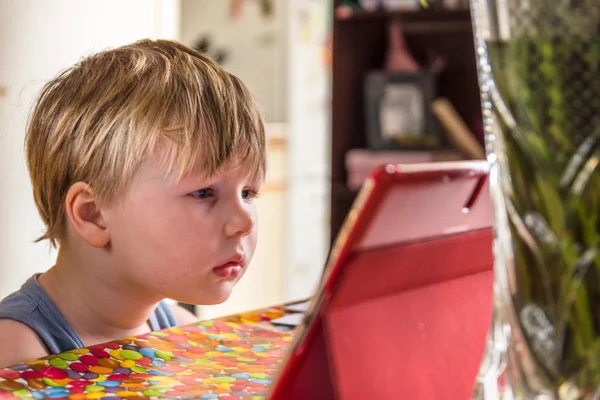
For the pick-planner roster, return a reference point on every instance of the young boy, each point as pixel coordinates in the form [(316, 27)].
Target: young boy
[(145, 161)]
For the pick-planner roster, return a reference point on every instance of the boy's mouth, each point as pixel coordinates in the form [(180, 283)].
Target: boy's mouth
[(228, 271), (232, 269)]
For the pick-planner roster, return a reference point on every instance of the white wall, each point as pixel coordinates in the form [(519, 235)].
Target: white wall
[(309, 142), (38, 38), (256, 46)]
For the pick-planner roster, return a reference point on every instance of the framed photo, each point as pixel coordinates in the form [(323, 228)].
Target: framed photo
[(398, 111)]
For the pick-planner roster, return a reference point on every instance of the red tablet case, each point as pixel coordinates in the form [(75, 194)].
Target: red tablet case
[(405, 305)]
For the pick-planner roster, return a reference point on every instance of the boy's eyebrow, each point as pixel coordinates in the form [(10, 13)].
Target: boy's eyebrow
[(194, 178)]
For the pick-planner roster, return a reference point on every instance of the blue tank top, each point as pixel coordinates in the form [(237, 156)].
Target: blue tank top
[(32, 306)]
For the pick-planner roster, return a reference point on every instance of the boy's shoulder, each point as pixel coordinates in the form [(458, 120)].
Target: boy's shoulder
[(18, 343)]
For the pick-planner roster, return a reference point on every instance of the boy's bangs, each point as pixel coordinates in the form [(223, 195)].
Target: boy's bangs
[(215, 126), (178, 160)]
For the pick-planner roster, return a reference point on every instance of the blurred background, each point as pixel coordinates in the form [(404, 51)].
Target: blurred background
[(280, 49)]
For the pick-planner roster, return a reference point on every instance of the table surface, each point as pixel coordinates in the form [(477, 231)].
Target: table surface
[(229, 358)]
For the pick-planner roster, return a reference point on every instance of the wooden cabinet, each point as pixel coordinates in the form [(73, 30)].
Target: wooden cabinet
[(359, 45)]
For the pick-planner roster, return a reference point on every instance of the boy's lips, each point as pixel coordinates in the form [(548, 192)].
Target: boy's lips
[(228, 271), (232, 269)]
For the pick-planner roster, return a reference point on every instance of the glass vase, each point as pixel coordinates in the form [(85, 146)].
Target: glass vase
[(539, 75)]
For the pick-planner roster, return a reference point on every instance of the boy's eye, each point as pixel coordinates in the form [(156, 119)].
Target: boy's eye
[(202, 193), (249, 194)]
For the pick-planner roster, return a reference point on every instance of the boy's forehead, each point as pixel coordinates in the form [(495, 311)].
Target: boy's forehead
[(157, 169), (233, 167), (164, 161), (169, 164)]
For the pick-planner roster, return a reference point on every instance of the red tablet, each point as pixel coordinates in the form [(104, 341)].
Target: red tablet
[(405, 303)]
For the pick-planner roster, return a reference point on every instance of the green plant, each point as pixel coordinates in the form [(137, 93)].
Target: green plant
[(548, 77)]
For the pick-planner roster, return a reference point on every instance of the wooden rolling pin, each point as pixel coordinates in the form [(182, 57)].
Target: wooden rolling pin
[(457, 131)]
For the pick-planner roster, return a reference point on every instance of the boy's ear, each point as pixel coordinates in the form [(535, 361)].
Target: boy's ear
[(85, 215)]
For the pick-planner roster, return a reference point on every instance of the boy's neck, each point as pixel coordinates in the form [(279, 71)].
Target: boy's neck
[(98, 307)]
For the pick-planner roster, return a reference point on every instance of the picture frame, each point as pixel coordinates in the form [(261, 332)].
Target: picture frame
[(398, 112)]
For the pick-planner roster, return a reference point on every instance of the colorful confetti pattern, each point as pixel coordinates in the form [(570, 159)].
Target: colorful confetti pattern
[(225, 359)]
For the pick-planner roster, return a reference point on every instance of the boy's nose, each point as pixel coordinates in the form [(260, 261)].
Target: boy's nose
[(239, 222)]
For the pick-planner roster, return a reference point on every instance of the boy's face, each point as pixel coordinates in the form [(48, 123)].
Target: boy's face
[(190, 240)]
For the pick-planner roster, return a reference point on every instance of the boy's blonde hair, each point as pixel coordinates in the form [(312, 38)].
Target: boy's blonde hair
[(99, 120)]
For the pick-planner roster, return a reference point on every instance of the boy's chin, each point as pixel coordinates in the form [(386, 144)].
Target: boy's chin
[(202, 298)]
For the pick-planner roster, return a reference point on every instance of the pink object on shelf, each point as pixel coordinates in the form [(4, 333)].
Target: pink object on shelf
[(398, 57), (360, 163)]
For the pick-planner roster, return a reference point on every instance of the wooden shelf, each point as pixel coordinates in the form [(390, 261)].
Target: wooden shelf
[(360, 44), (413, 23), (411, 14), (413, 28)]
